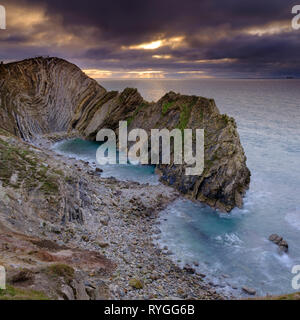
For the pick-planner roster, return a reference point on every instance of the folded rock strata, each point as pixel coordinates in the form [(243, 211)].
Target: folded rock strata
[(43, 95)]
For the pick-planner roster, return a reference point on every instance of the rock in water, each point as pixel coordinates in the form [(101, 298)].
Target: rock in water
[(275, 238), (282, 244), (46, 95), (249, 291)]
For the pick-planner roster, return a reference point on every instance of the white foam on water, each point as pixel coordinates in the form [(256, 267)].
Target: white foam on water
[(268, 118), (293, 218), (230, 240), (284, 259)]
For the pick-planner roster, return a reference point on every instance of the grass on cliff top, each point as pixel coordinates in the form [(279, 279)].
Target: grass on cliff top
[(166, 107), (13, 293), (185, 114), (184, 117), (30, 173)]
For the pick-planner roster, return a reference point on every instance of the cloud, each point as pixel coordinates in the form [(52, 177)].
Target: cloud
[(208, 38)]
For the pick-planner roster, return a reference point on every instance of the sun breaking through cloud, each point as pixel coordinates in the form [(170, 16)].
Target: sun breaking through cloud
[(157, 39)]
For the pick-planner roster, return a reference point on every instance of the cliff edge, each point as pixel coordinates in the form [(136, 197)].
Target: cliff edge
[(44, 95)]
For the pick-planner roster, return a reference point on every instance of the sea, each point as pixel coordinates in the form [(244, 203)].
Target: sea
[(233, 249)]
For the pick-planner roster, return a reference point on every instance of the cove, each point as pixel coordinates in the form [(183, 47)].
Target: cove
[(86, 151)]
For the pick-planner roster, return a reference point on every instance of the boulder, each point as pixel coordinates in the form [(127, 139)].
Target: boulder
[(22, 276), (80, 290), (280, 242), (283, 246), (275, 238), (67, 292), (249, 291)]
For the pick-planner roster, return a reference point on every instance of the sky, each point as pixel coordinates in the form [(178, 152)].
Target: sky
[(157, 39)]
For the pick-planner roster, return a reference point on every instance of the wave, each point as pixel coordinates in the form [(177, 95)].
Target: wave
[(293, 218)]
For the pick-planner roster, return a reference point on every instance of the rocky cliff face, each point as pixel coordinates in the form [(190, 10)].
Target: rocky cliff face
[(225, 178), (39, 96), (67, 233)]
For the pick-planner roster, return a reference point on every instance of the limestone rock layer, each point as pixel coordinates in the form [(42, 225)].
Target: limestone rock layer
[(43, 95), (39, 96)]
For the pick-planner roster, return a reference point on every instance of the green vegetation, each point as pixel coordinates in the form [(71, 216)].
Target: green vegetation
[(59, 172), (13, 293), (136, 284), (201, 115), (70, 180), (227, 119), (50, 186), (184, 117), (185, 114), (21, 168), (166, 107)]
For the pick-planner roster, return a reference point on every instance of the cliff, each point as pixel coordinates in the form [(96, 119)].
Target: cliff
[(39, 96)]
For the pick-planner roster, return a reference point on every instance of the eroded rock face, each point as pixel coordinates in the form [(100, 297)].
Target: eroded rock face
[(40, 96), (225, 178)]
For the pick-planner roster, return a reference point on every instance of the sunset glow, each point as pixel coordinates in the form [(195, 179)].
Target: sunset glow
[(176, 41)]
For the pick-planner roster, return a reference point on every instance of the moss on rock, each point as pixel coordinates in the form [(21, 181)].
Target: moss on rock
[(61, 270), (136, 284)]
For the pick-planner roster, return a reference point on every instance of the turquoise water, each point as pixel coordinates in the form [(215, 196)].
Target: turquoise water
[(233, 249), (86, 150)]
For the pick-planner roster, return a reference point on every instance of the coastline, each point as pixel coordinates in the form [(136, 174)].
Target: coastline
[(110, 249), (164, 279)]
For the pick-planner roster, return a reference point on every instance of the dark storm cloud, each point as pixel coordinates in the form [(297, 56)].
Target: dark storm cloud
[(136, 20), (278, 48), (105, 31)]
